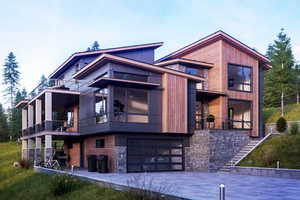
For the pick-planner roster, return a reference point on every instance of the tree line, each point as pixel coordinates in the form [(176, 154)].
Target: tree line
[(11, 117)]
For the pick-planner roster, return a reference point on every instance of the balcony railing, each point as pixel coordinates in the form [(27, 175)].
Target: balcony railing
[(55, 83), (224, 124), (54, 125)]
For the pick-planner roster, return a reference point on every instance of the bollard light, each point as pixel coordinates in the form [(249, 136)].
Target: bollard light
[(222, 192), (278, 164), (72, 169)]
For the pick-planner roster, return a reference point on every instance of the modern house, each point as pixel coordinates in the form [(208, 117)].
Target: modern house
[(193, 109)]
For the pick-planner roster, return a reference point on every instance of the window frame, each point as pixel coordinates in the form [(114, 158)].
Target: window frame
[(130, 74), (106, 105), (243, 84), (126, 113), (102, 142), (241, 121)]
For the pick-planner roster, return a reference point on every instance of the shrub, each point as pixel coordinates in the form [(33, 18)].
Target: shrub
[(294, 128), (62, 184), (210, 118), (281, 125), (25, 164)]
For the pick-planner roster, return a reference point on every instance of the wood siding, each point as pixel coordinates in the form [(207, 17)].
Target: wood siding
[(221, 53), (233, 55), (174, 104)]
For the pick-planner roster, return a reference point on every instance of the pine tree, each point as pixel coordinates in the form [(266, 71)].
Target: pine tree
[(95, 46), (297, 69), (11, 77), (3, 125), (16, 117), (43, 83), (280, 80)]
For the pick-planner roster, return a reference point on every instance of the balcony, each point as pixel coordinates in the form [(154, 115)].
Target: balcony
[(223, 124)]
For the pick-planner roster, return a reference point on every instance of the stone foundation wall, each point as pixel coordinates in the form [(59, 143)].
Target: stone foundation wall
[(209, 150), (121, 159)]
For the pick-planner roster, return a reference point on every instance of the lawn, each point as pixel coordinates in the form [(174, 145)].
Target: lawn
[(283, 148), (291, 113), (21, 184)]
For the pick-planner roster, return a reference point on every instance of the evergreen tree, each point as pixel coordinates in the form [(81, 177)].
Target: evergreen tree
[(280, 80), (24, 93), (11, 77), (95, 46), (43, 83), (297, 69), (4, 131), (16, 117)]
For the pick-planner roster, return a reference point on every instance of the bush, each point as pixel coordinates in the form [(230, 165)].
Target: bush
[(281, 125), (210, 118), (294, 128), (62, 184), (25, 164)]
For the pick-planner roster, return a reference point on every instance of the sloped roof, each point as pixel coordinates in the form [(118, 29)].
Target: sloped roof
[(212, 38)]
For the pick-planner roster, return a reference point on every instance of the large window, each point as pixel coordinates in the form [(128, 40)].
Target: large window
[(196, 71), (101, 105), (239, 78), (129, 76), (239, 114), (131, 105)]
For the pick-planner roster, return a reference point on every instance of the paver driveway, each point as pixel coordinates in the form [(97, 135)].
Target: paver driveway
[(204, 186)]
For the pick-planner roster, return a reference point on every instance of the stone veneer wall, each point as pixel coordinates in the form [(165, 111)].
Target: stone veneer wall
[(209, 150)]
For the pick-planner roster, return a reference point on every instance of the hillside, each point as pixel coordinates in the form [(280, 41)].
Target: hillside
[(283, 148), (292, 113), (25, 184)]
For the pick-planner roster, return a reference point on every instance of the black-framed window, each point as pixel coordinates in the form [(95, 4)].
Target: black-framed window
[(130, 76), (70, 118), (131, 105), (100, 143), (239, 78), (101, 105), (239, 114), (196, 71)]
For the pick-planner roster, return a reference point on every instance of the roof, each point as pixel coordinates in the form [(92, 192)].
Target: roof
[(22, 103), (185, 61), (104, 58), (75, 57), (212, 38)]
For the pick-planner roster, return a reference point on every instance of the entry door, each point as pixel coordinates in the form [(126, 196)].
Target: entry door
[(201, 114), (154, 155)]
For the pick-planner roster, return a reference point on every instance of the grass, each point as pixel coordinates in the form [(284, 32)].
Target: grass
[(291, 113), (21, 184), (283, 148)]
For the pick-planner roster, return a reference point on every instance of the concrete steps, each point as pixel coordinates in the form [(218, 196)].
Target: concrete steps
[(241, 154)]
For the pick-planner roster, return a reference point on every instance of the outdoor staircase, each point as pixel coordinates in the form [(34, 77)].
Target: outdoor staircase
[(243, 153)]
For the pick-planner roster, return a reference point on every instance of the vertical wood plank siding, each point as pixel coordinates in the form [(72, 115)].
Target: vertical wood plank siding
[(175, 104)]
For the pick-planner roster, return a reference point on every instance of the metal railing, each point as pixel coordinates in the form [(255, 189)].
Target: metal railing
[(54, 83), (221, 123)]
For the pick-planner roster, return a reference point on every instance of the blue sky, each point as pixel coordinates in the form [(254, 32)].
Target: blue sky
[(42, 34)]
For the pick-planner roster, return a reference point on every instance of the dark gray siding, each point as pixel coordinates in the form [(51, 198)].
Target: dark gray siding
[(191, 105), (143, 55)]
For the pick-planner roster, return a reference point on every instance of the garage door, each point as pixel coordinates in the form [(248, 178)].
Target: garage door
[(154, 155)]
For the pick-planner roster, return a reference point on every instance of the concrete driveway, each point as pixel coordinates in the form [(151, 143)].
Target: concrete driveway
[(204, 186)]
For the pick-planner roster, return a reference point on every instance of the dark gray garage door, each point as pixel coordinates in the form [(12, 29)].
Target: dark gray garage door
[(154, 155)]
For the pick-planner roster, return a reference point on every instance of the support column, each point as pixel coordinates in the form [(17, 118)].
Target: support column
[(48, 111), (30, 118), (38, 151), (24, 120), (30, 146), (38, 115), (48, 148), (24, 150)]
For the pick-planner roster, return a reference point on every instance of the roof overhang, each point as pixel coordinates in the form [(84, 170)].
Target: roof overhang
[(71, 92), (219, 35), (189, 62), (77, 55), (105, 58), (103, 81), (22, 104)]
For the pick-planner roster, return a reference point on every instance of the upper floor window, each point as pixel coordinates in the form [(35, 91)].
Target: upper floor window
[(239, 78), (195, 71), (131, 105), (129, 76), (101, 105)]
